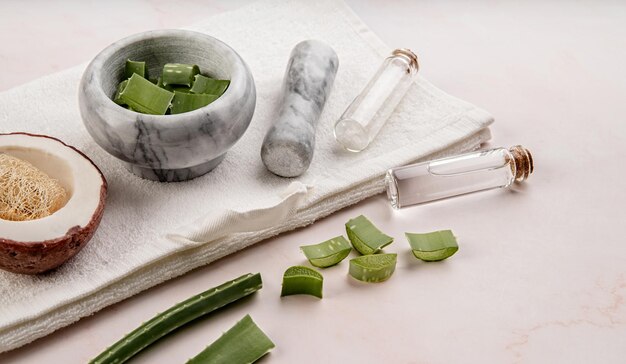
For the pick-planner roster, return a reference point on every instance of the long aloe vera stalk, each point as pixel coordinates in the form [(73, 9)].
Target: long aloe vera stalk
[(243, 343), (177, 316)]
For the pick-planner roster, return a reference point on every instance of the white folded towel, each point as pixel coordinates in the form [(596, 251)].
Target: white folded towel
[(152, 232)]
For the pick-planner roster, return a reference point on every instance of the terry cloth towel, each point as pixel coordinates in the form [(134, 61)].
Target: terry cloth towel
[(152, 232)]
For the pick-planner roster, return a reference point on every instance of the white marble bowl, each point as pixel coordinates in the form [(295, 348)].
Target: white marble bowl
[(167, 147)]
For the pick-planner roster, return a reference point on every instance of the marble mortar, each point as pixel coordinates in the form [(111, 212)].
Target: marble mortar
[(167, 148)]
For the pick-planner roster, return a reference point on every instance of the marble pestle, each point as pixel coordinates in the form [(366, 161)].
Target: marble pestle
[(288, 146)]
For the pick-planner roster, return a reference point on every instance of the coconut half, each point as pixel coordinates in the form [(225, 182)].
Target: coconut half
[(36, 246)]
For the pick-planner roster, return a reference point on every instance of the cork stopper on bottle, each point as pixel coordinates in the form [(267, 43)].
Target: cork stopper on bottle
[(405, 52), (523, 162)]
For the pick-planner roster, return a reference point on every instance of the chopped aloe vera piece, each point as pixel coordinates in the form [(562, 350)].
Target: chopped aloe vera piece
[(207, 85), (120, 88), (184, 102), (373, 268), (365, 237), (243, 343), (133, 67), (145, 97), (178, 315), (327, 253), (173, 88), (302, 280), (179, 74), (434, 246)]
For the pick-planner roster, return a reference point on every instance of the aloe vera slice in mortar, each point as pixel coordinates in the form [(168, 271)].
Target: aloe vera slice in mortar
[(365, 237), (243, 343), (179, 74), (145, 97), (373, 268), (207, 85), (433, 246), (327, 253), (135, 67), (178, 315), (120, 88), (183, 102), (302, 280)]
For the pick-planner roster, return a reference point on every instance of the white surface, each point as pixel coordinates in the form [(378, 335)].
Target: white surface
[(129, 253), (540, 274)]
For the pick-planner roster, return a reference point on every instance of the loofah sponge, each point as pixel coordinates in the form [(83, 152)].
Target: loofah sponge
[(26, 192)]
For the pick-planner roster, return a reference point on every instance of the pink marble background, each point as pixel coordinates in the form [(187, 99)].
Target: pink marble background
[(540, 276)]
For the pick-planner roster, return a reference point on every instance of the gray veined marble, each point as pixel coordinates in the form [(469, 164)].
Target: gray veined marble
[(168, 147), (289, 144)]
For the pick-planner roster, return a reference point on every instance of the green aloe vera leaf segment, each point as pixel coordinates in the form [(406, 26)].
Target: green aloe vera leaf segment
[(120, 88), (302, 280), (133, 67), (433, 246), (243, 343), (179, 315), (173, 88), (365, 237), (184, 102), (145, 97), (373, 268), (327, 253), (179, 74), (207, 85)]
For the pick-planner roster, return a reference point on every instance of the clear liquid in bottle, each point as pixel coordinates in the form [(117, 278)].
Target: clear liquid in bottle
[(457, 175)]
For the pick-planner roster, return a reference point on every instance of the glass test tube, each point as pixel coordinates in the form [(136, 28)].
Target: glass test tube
[(457, 175), (369, 111)]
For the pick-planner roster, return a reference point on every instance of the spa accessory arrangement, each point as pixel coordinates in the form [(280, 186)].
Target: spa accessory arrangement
[(184, 146)]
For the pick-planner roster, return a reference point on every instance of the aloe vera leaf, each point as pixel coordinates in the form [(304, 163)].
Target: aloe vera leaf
[(172, 88), (135, 67), (207, 85), (179, 74), (177, 316), (146, 97), (243, 343), (184, 102), (120, 88), (327, 253), (365, 237), (302, 280), (373, 268), (433, 246)]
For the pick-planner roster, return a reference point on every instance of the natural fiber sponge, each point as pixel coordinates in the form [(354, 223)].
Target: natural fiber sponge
[(26, 192)]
